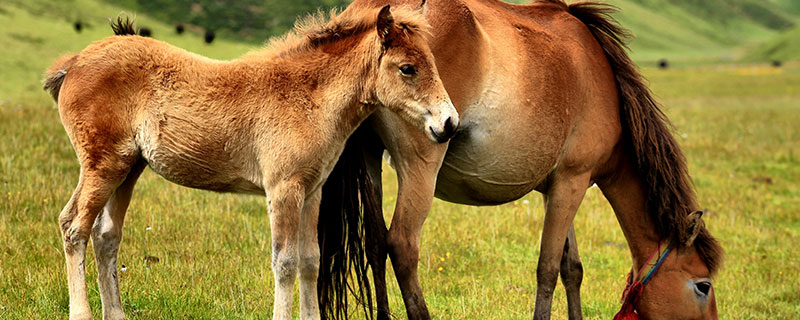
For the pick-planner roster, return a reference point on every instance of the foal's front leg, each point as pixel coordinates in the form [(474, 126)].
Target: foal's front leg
[(309, 257), (284, 201)]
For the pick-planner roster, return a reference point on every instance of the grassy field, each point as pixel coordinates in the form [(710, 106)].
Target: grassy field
[(195, 254)]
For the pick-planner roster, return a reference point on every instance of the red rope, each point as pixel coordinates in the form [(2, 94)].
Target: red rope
[(630, 296)]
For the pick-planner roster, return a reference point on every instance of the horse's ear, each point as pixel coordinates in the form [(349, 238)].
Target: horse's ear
[(385, 25), (695, 225)]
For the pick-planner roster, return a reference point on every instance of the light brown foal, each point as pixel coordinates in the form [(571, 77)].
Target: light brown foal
[(272, 123), (549, 101)]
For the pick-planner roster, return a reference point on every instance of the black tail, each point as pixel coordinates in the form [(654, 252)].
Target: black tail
[(658, 157), (347, 197)]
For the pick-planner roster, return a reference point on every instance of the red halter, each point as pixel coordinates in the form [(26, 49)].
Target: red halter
[(634, 288)]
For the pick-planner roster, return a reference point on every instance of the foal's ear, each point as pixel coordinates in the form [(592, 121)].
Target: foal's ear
[(695, 225), (385, 26)]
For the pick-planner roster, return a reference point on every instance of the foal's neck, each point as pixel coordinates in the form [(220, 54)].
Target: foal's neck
[(343, 82)]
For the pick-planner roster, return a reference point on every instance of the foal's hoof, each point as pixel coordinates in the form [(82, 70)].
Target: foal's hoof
[(81, 316)]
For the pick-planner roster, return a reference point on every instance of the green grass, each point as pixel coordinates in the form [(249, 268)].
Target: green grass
[(738, 125), (35, 33)]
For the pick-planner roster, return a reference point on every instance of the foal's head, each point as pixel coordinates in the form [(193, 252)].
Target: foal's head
[(407, 81)]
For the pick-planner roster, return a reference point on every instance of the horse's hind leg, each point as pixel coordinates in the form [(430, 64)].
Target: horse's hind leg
[(95, 187), (106, 237), (572, 275)]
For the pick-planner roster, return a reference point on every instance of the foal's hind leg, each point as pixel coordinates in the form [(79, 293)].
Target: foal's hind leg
[(562, 200), (106, 237), (572, 275), (93, 191)]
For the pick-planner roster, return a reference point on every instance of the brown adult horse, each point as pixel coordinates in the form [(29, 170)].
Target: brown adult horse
[(549, 101), (273, 122)]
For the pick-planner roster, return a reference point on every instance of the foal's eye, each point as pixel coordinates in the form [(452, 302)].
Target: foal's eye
[(408, 70)]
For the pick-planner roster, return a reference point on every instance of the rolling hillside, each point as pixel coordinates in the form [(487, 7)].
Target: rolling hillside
[(35, 32), (709, 30)]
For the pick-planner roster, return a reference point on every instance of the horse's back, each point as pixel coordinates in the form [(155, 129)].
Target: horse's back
[(534, 89)]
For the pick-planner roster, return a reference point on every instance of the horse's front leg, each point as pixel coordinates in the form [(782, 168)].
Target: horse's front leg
[(309, 257), (417, 161), (285, 201), (562, 199)]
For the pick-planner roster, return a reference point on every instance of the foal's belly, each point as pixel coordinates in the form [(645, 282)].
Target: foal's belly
[(499, 155), (195, 156)]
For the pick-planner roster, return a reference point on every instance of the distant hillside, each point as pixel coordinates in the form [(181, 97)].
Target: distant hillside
[(713, 30), (36, 32), (248, 20), (785, 46), (693, 31)]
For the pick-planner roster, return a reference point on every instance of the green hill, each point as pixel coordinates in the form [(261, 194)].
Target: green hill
[(705, 30), (249, 20), (785, 46), (35, 32)]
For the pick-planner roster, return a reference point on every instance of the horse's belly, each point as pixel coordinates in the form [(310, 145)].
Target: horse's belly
[(497, 158), (196, 159)]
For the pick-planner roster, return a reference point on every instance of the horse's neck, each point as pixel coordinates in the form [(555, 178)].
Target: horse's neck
[(626, 194)]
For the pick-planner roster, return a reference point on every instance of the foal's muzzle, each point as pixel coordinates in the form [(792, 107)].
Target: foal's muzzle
[(448, 131), (442, 123)]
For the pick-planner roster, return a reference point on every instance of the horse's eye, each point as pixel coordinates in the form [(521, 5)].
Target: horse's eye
[(408, 70)]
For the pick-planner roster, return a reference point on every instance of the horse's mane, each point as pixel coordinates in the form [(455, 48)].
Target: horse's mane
[(658, 159), (321, 28)]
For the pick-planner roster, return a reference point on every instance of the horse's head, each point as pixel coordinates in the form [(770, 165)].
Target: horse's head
[(681, 287), (407, 81)]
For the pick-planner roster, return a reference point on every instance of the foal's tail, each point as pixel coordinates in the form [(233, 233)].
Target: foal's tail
[(348, 203), (656, 155), (54, 76)]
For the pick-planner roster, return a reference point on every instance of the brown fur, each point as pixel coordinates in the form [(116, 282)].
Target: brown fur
[(270, 123), (670, 193), (549, 102)]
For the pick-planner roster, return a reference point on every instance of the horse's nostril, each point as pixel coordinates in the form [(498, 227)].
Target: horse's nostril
[(703, 287)]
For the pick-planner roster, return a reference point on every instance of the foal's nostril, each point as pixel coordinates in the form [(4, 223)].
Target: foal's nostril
[(449, 127), (702, 287)]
